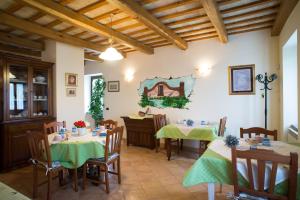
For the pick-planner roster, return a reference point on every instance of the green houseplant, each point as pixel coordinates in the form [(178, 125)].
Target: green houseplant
[(97, 104)]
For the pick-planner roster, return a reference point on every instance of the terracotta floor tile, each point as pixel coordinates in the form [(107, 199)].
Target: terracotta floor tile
[(146, 175)]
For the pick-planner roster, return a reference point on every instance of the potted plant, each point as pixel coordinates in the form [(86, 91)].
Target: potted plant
[(81, 127)]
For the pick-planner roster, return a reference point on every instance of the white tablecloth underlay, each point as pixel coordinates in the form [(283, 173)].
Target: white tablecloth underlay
[(88, 137), (279, 147), (187, 129)]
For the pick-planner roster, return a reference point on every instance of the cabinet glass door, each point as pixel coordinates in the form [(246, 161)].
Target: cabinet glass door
[(18, 91), (40, 103)]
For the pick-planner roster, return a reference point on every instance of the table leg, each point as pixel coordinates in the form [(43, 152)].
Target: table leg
[(211, 191), (75, 180), (168, 141)]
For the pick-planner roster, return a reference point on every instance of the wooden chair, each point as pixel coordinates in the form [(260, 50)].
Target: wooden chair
[(159, 122), (41, 158), (263, 156), (53, 127), (258, 131), (111, 156), (109, 124), (221, 131), (222, 127)]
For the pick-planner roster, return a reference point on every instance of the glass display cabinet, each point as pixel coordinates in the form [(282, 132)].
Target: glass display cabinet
[(26, 104)]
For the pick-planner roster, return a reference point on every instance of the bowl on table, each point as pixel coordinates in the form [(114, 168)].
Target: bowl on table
[(57, 138), (102, 134)]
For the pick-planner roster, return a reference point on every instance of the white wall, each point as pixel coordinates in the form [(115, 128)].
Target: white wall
[(292, 24), (290, 87), (67, 59), (210, 99)]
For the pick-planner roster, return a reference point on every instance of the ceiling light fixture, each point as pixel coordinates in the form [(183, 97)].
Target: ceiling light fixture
[(111, 53)]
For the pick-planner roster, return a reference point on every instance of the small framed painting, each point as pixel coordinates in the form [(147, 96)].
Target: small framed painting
[(241, 80), (113, 86), (71, 92), (71, 79)]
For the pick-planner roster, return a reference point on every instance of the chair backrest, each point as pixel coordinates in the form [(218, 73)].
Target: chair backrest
[(109, 124), (222, 126), (39, 147), (159, 121), (113, 141), (53, 127), (263, 156), (258, 131)]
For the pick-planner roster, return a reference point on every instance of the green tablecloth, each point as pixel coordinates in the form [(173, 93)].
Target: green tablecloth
[(74, 154), (8, 193), (213, 168), (208, 133)]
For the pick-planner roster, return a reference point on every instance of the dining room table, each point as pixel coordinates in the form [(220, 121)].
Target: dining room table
[(215, 167), (205, 132), (75, 150)]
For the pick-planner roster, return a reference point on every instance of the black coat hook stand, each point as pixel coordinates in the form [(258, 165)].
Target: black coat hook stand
[(265, 79)]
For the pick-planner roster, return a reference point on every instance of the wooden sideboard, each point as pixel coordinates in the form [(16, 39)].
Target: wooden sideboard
[(26, 101), (140, 132)]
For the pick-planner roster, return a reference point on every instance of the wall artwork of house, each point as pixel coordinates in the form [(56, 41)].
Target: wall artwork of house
[(161, 92)]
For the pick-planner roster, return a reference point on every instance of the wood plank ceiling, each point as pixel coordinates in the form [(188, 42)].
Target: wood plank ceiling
[(138, 25)]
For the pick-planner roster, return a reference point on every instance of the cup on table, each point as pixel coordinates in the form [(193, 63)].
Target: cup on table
[(94, 132), (58, 138)]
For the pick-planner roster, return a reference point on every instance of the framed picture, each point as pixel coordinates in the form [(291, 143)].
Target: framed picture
[(113, 86), (241, 79), (71, 92), (71, 79)]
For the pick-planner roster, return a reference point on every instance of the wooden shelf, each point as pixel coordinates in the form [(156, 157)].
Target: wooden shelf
[(40, 100), (17, 81), (40, 83)]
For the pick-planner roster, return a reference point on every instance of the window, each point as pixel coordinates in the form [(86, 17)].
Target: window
[(16, 90), (290, 84), (93, 81)]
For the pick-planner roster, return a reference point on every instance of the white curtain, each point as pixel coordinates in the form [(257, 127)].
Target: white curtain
[(11, 97), (20, 96)]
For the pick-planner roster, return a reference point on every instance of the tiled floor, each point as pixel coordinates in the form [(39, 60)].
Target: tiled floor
[(146, 175)]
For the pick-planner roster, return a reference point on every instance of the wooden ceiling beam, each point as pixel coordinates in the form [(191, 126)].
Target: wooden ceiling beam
[(212, 10), (181, 13), (107, 14), (20, 41), (13, 49), (249, 30), (171, 6), (81, 21), (254, 19), (252, 25), (36, 16), (201, 24), (285, 9), (53, 23), (213, 33), (187, 20), (272, 9), (227, 2), (136, 11), (206, 37), (14, 8), (246, 6), (34, 28), (91, 57), (199, 31), (92, 7), (66, 2), (119, 21), (69, 29)]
